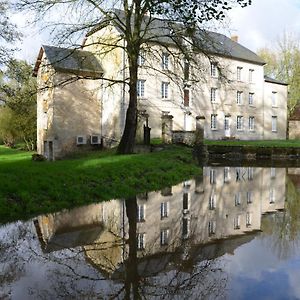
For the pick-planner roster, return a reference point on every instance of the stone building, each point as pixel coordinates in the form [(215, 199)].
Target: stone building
[(294, 124), (224, 83)]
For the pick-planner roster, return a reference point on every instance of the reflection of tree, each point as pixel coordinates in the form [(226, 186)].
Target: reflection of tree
[(281, 230)]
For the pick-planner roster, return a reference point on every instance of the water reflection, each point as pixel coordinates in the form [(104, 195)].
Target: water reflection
[(164, 244)]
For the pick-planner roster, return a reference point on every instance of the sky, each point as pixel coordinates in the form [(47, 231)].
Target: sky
[(258, 25)]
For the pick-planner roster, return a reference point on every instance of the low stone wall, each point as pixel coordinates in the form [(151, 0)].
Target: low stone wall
[(183, 137), (248, 152)]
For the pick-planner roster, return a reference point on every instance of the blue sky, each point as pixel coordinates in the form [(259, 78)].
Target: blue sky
[(258, 25)]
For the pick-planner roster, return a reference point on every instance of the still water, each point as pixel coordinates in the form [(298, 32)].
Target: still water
[(232, 233)]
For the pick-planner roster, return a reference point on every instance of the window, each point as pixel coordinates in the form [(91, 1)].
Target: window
[(164, 210), (186, 97), (185, 228), (164, 237), (251, 123), (212, 202), (274, 123), (250, 173), (239, 73), (141, 88), (141, 58), (237, 222), (273, 173), (141, 213), (239, 97), (212, 227), (165, 90), (274, 98), (226, 174), (251, 72), (213, 95), (237, 199), (165, 61), (212, 176), (141, 241), (213, 70), (213, 122), (186, 70), (185, 202), (226, 123), (248, 219), (249, 197), (272, 196), (251, 99), (239, 123), (239, 174)]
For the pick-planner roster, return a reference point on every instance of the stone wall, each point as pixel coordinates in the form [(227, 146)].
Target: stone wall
[(183, 137)]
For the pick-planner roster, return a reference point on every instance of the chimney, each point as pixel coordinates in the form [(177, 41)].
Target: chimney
[(235, 38)]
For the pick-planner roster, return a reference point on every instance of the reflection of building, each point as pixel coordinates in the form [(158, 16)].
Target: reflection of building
[(224, 205)]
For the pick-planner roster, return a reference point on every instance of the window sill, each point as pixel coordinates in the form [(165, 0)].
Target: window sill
[(214, 129)]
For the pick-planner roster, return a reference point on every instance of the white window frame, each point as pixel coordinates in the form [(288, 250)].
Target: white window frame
[(164, 210), (212, 225), (141, 237), (239, 97), (273, 173), (213, 70), (165, 61), (213, 122), (141, 209), (237, 199), (141, 58), (251, 123), (212, 201), (249, 197), (248, 219), (274, 123), (250, 173), (240, 123), (165, 90), (237, 222), (239, 73), (251, 99), (213, 176), (141, 88), (164, 237), (251, 72), (213, 95), (272, 196), (274, 99), (226, 174)]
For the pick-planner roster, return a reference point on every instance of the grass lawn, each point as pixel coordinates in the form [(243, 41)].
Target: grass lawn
[(270, 143), (29, 188)]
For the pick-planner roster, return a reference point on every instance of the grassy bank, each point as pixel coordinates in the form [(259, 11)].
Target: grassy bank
[(265, 143), (29, 188)]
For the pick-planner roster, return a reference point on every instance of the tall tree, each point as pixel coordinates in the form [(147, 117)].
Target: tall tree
[(185, 17), (8, 33), (283, 63), (18, 111)]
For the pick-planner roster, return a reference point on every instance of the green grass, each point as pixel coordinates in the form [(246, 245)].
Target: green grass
[(29, 188), (265, 143)]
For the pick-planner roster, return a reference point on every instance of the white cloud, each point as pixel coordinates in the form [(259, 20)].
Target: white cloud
[(264, 21)]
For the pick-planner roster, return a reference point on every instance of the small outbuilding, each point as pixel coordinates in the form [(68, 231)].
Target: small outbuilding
[(294, 124)]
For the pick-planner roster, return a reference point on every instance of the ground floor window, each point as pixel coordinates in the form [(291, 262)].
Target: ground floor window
[(274, 123)]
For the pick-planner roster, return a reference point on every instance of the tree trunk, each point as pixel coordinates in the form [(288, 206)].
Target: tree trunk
[(127, 142)]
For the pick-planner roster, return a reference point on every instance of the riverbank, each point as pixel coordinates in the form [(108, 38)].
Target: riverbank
[(29, 188)]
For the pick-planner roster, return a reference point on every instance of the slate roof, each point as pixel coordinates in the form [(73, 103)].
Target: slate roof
[(163, 31), (72, 61), (272, 80)]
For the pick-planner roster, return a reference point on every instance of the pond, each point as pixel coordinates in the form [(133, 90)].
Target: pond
[(232, 233)]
